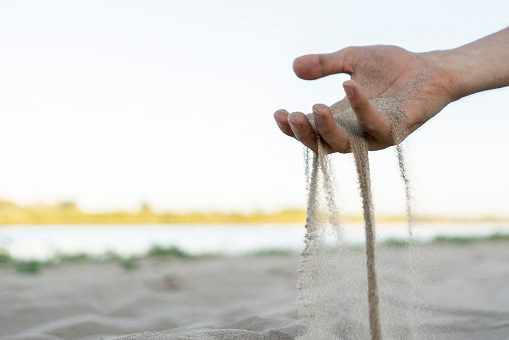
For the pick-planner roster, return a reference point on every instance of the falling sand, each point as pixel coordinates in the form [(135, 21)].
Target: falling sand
[(321, 261)]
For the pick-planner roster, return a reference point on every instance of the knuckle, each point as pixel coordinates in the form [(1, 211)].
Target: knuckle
[(322, 64)]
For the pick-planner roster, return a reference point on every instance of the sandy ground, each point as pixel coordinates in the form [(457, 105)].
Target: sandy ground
[(461, 292)]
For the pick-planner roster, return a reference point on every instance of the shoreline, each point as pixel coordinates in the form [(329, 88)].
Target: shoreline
[(132, 262)]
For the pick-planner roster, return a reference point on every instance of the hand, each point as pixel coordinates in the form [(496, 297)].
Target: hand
[(415, 79)]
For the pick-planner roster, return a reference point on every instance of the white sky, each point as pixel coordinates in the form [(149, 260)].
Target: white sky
[(111, 103)]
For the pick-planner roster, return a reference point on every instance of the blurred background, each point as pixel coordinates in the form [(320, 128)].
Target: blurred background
[(161, 111)]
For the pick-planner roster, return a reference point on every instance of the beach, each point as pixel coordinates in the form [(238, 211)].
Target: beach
[(463, 293)]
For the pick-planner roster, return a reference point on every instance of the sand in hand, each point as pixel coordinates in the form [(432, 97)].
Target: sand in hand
[(318, 291)]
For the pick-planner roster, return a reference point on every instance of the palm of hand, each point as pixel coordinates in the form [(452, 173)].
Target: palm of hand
[(390, 71), (377, 72)]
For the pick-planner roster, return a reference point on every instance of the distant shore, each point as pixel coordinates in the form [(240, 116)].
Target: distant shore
[(70, 213)]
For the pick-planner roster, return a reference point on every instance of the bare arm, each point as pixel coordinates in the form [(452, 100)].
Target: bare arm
[(479, 66), (424, 82)]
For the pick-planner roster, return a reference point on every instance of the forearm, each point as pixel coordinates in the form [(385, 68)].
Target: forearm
[(479, 66)]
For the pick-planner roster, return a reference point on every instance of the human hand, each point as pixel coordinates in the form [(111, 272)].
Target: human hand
[(416, 80)]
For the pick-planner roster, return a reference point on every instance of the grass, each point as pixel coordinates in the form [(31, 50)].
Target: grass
[(452, 240), (79, 257), (4, 257), (32, 266), (468, 240), (172, 251), (129, 263), (273, 252), (497, 237), (27, 267), (455, 240), (392, 242)]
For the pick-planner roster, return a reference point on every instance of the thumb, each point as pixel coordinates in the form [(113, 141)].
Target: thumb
[(314, 66)]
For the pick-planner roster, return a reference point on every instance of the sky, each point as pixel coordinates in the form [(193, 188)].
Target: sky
[(114, 103)]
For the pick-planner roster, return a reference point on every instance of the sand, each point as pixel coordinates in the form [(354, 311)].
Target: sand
[(318, 273), (464, 294), (317, 290)]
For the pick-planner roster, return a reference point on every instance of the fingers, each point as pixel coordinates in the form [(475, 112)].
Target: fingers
[(314, 66), (281, 117), (327, 127), (302, 129), (368, 117), (297, 125)]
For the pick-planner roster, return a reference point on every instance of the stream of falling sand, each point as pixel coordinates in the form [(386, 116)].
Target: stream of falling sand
[(317, 295)]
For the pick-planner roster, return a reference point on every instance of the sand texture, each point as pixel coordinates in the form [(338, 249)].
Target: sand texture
[(318, 286), (463, 294)]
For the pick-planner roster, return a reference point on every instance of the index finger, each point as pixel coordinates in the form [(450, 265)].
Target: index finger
[(368, 117)]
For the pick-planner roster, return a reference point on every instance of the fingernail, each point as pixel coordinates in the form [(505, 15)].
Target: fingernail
[(295, 125), (279, 121), (348, 90), (319, 118)]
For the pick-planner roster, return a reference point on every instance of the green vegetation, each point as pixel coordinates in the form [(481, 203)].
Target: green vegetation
[(69, 213), (27, 267), (497, 237), (274, 252), (392, 242), (129, 263), (4, 257), (468, 240), (451, 240), (175, 252), (171, 252), (32, 266)]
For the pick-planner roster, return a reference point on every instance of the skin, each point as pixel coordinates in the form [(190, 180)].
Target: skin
[(424, 82)]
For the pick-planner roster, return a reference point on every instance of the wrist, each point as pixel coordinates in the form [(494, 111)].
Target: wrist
[(448, 72), (479, 66)]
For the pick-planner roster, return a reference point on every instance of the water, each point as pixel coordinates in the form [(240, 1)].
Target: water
[(44, 241)]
